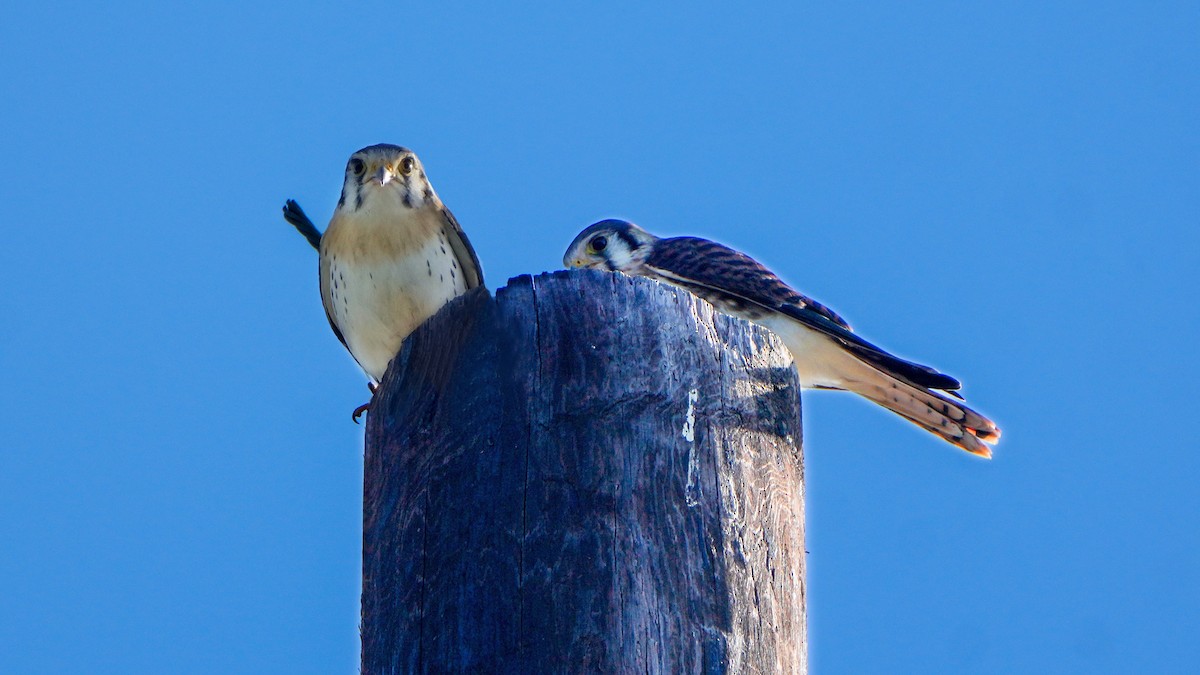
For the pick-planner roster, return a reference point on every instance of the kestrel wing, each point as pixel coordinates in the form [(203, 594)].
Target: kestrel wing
[(725, 276), (721, 268), (463, 251), (326, 296)]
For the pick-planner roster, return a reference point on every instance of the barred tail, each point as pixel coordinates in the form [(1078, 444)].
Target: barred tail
[(931, 411)]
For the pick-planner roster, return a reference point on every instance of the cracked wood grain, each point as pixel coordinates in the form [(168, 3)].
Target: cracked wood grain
[(588, 473)]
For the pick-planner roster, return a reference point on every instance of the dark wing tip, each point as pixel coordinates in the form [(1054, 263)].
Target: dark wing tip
[(910, 371), (944, 382), (295, 215), (927, 377), (916, 373)]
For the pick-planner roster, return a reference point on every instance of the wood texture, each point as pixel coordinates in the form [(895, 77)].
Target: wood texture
[(588, 473)]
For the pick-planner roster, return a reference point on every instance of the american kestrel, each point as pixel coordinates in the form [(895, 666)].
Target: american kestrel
[(827, 354), (392, 255)]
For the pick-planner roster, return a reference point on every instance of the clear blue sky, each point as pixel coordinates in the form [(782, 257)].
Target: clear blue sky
[(1006, 191)]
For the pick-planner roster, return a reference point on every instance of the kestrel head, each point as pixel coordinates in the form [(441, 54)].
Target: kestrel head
[(385, 176), (614, 245)]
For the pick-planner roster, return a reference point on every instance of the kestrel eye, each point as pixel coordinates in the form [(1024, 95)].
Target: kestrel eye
[(406, 165), (357, 166), (598, 244)]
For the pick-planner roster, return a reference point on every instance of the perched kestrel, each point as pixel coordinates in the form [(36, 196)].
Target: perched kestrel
[(827, 354), (392, 255)]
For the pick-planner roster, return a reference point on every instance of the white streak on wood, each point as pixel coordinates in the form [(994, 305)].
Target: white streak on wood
[(689, 433), (689, 424)]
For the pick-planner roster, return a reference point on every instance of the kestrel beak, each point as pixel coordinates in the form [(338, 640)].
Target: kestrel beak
[(383, 176)]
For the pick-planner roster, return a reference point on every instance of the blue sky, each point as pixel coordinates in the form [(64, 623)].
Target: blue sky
[(1006, 191)]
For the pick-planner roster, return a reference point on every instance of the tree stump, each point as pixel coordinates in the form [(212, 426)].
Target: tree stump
[(588, 473)]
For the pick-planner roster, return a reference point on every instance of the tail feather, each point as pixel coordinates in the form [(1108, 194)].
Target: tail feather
[(300, 220), (931, 411), (824, 363)]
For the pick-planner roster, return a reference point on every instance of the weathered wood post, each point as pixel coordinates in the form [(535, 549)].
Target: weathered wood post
[(587, 474)]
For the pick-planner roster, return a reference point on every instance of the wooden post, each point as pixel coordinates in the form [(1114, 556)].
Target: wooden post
[(590, 473)]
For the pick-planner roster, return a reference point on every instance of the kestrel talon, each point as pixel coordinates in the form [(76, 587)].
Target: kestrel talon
[(827, 354), (392, 255)]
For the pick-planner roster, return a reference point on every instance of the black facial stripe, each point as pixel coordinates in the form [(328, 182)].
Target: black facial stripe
[(624, 236)]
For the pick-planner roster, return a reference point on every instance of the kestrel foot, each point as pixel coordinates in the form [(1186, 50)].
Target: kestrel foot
[(358, 412)]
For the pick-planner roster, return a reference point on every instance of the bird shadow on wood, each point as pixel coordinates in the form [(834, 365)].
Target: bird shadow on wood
[(779, 392)]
